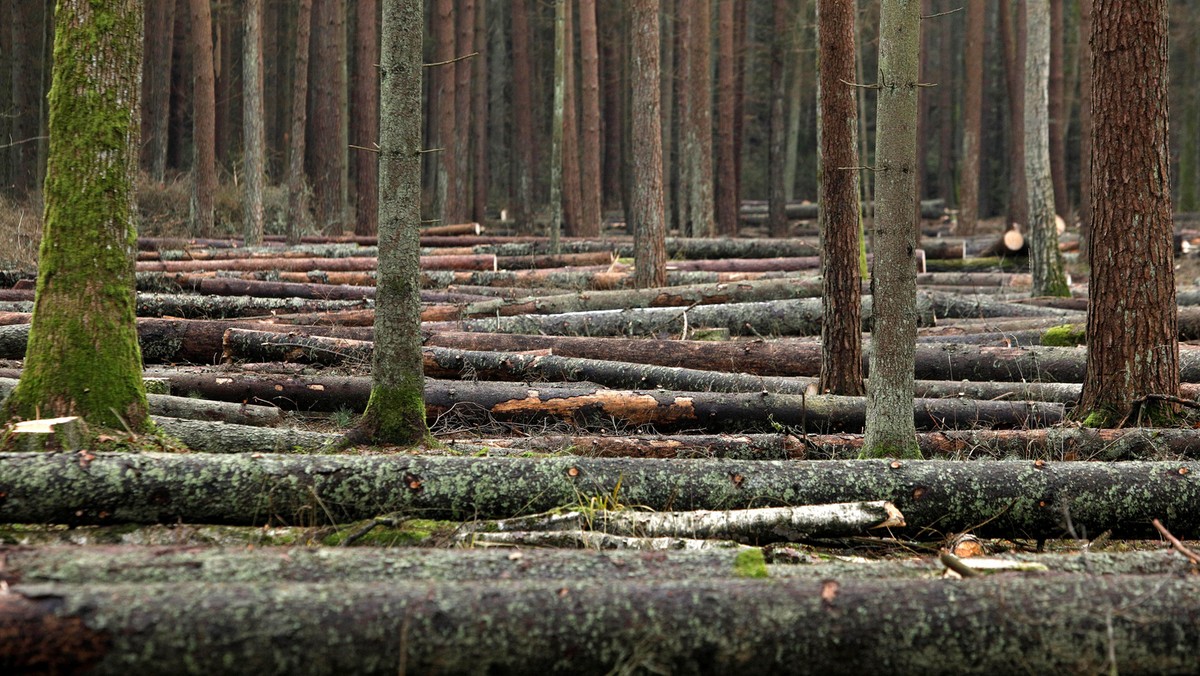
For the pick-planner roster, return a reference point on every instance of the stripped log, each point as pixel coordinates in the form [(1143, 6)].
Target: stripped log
[(1020, 499)]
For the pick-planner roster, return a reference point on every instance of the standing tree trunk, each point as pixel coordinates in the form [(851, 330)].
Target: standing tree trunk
[(777, 222), (1058, 112), (698, 132), (683, 113), (204, 120), (570, 146), (522, 107), (670, 130), (890, 431), (649, 226), (841, 327), (1133, 347), (446, 202), (479, 118), (1085, 123), (556, 122), (329, 150), (1045, 260), (464, 45), (297, 185), (396, 410), (364, 117), (27, 28), (82, 356), (589, 140), (156, 86), (1013, 40), (968, 213), (254, 151), (726, 164)]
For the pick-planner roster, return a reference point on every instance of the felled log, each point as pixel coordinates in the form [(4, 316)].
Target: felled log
[(930, 209), (241, 344), (224, 286), (228, 437), (194, 306), (776, 446), (1145, 624), (974, 264), (365, 263), (999, 279), (1017, 499), (452, 229)]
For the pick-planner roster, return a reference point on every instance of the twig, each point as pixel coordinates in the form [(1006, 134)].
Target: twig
[(370, 150), (862, 86), (1179, 546), (934, 16), (456, 59), (955, 564)]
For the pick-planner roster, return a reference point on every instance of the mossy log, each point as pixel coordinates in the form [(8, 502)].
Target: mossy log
[(586, 405), (225, 286), (597, 278), (1014, 499), (1082, 624), (227, 437), (195, 306)]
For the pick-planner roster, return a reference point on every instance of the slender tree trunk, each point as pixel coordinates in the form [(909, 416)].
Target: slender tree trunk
[(777, 222), (364, 117), (522, 108), (1132, 336), (670, 126), (1058, 112), (464, 45), (254, 152), (865, 176), (445, 117), (297, 184), (924, 99), (1013, 39), (396, 410), (947, 85), (27, 29), (740, 26), (699, 127), (1085, 123), (204, 120), (589, 140), (649, 226), (570, 147), (223, 86), (968, 213), (1045, 260), (329, 150), (479, 118), (156, 86), (82, 357), (841, 327), (556, 122), (725, 170), (684, 102), (796, 33), (890, 431)]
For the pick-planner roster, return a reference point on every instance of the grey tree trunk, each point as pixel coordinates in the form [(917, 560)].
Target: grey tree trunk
[(649, 226), (556, 124), (890, 430), (254, 143), (204, 169), (396, 410), (1045, 260), (698, 135)]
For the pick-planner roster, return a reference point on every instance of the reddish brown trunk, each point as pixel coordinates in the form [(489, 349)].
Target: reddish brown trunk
[(297, 210), (968, 214), (223, 70), (364, 122), (1057, 112), (699, 131), (571, 180), (156, 86), (328, 152), (522, 109), (647, 184), (589, 140), (204, 120), (1132, 336), (464, 45), (1085, 120), (739, 91), (613, 59), (777, 190), (726, 166), (479, 118), (1012, 35), (841, 328), (448, 200), (683, 111)]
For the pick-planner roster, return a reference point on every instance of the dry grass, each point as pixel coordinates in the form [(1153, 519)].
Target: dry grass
[(20, 232)]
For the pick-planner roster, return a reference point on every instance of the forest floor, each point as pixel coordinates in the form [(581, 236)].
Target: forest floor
[(609, 464)]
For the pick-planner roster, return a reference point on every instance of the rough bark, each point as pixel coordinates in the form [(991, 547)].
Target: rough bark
[(204, 169), (1058, 112), (82, 356), (571, 185), (254, 150), (725, 169), (224, 286), (1132, 324), (205, 436), (1045, 260), (297, 183), (841, 325), (328, 149), (364, 117), (649, 227), (698, 126), (464, 45), (396, 410), (893, 280), (968, 214), (778, 165), (1085, 120), (156, 86), (1012, 36), (480, 171), (522, 107)]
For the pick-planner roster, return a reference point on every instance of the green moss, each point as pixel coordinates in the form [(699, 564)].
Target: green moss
[(1067, 335), (750, 563), (410, 533), (396, 415)]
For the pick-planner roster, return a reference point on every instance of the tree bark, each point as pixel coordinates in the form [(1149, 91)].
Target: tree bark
[(480, 171), (254, 149), (329, 150), (1085, 122), (725, 170), (1013, 39), (522, 107), (156, 86), (297, 183), (649, 227), (395, 412), (82, 357), (1133, 344), (1045, 260), (364, 117), (841, 326), (464, 44), (204, 124), (571, 185), (1058, 112), (557, 122), (778, 164), (968, 214), (893, 334), (698, 129), (589, 140)]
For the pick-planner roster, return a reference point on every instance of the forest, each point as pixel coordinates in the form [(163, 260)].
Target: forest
[(599, 336)]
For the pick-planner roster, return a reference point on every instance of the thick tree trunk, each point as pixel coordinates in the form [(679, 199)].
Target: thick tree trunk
[(698, 126), (254, 151), (1045, 261), (649, 227), (364, 117), (893, 334), (82, 357), (841, 326), (396, 410), (156, 86), (204, 124), (725, 169), (1133, 347), (328, 152), (589, 139), (968, 213), (297, 183)]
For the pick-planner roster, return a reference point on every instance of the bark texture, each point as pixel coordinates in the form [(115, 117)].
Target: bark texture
[(589, 139), (297, 182), (204, 119), (725, 171), (364, 117), (156, 86), (894, 283), (1133, 345), (650, 228), (329, 147), (968, 214), (82, 357), (254, 150)]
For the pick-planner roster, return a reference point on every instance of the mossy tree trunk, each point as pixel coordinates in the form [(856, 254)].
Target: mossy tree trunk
[(890, 430), (1132, 334), (82, 356), (396, 410)]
